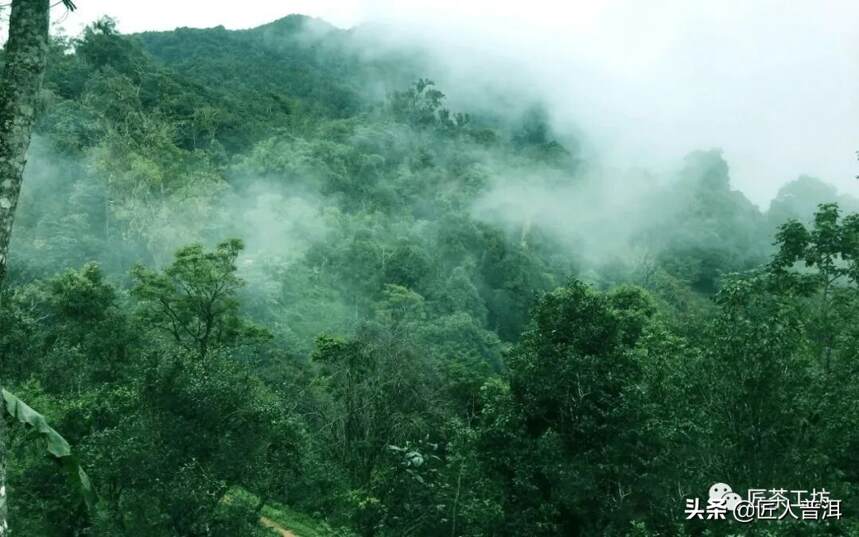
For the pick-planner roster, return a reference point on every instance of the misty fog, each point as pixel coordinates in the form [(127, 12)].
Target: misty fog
[(428, 268)]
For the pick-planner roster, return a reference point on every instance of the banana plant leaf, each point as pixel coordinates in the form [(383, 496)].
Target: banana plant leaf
[(56, 446)]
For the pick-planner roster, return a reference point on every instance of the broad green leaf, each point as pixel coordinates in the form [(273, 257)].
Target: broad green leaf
[(56, 445)]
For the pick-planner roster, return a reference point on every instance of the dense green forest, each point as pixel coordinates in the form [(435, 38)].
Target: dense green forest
[(261, 273)]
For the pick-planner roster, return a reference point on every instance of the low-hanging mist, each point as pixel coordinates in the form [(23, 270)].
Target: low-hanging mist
[(376, 283)]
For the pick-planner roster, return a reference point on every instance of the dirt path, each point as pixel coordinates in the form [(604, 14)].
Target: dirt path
[(269, 523)]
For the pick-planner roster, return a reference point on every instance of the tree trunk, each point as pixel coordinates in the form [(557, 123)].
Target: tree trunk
[(4, 511), (26, 54)]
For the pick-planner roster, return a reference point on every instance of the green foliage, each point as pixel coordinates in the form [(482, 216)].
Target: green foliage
[(376, 356), (56, 445), (708, 230), (193, 301), (422, 106), (573, 385), (829, 251)]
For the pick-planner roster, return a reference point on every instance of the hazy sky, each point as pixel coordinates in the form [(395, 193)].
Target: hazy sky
[(772, 82)]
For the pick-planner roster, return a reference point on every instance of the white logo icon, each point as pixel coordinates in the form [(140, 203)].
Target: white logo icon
[(732, 499), (722, 495), (719, 490)]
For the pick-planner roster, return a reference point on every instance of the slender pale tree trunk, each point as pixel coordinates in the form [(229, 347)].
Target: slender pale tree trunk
[(4, 511), (26, 53)]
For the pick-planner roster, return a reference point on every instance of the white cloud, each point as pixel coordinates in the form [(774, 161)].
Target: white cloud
[(773, 83)]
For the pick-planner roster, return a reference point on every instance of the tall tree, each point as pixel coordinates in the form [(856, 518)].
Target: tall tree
[(26, 53), (23, 70)]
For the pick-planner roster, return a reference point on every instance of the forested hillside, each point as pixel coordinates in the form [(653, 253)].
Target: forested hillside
[(269, 271)]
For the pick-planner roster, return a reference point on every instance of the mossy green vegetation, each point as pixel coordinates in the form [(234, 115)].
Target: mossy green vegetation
[(262, 273)]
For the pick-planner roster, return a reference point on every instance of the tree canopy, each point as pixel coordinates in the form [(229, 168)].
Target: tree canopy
[(252, 279)]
